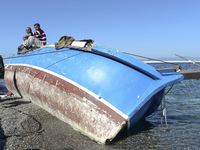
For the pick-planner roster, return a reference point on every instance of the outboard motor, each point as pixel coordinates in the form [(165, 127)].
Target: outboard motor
[(1, 68)]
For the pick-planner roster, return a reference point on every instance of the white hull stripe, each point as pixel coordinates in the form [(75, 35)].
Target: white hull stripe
[(77, 85)]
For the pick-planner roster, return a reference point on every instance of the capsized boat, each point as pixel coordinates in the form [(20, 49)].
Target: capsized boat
[(96, 89)]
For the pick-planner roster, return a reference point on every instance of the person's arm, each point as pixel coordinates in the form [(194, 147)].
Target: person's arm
[(26, 36)]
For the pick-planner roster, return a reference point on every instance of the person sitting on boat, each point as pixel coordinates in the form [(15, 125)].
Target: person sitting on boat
[(32, 40), (25, 37), (40, 34), (30, 43), (29, 33)]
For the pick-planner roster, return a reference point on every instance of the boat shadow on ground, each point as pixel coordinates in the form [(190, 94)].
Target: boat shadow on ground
[(10, 99), (15, 103)]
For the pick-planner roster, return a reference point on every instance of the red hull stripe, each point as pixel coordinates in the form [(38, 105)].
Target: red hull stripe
[(69, 87)]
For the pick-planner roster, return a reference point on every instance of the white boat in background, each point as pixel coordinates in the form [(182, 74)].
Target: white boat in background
[(158, 62)]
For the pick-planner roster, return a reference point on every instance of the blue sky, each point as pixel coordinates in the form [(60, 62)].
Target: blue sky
[(151, 28)]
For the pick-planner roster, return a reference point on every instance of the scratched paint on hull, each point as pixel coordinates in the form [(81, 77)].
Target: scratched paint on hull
[(66, 101)]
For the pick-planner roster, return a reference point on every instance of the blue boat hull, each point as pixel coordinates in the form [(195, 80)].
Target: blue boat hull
[(98, 92)]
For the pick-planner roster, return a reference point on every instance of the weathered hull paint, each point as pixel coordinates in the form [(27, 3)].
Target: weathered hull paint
[(99, 92), (66, 100)]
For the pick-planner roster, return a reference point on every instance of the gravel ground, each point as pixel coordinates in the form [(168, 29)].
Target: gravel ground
[(24, 125)]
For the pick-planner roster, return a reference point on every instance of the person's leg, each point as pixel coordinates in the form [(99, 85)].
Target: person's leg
[(38, 43), (22, 49), (29, 42)]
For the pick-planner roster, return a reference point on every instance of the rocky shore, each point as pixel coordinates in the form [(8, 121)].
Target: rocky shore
[(24, 125)]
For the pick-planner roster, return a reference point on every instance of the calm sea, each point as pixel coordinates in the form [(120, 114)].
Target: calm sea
[(180, 129)]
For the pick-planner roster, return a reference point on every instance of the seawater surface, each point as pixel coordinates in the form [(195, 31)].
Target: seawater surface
[(179, 130)]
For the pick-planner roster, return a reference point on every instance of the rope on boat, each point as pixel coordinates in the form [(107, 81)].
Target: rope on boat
[(169, 89), (164, 113), (12, 54), (187, 91), (189, 87), (18, 56), (195, 88), (5, 56)]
